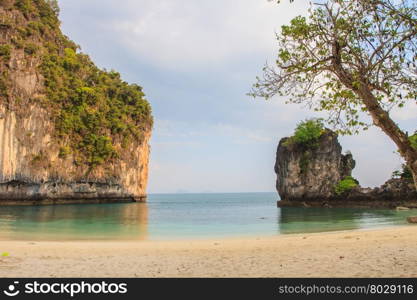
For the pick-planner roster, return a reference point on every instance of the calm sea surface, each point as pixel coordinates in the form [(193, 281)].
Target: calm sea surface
[(185, 216)]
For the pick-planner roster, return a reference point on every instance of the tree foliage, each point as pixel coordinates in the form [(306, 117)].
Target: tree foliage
[(372, 44), (349, 57)]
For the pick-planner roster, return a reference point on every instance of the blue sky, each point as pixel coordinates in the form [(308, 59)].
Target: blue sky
[(196, 61)]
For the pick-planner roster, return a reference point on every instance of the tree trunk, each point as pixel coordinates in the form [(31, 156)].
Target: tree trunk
[(414, 172), (379, 116), (382, 119)]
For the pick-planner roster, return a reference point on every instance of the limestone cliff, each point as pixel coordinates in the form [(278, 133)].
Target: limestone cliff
[(308, 176), (311, 173), (68, 130)]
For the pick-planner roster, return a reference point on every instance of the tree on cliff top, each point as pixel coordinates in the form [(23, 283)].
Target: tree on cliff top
[(348, 57)]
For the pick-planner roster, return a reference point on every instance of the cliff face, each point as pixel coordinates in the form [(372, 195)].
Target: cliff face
[(31, 169), (304, 174), (68, 131)]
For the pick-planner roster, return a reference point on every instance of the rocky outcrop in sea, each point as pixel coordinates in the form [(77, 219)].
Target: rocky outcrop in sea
[(308, 176)]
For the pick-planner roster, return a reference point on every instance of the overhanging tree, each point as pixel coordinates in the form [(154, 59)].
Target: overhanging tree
[(348, 57)]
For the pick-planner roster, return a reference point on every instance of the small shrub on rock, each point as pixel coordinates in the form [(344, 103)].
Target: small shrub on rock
[(345, 185), (307, 133)]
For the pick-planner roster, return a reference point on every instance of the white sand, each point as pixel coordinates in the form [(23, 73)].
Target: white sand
[(377, 253)]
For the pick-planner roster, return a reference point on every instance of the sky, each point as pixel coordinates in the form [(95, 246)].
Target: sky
[(196, 61)]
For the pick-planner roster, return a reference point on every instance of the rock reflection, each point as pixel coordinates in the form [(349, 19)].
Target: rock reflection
[(297, 220), (83, 222), (300, 220)]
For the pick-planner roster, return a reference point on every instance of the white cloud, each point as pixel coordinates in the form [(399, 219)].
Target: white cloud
[(183, 33), (177, 129), (241, 135), (183, 130)]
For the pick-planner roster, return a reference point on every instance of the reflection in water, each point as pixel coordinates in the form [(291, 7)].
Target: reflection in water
[(183, 216), (101, 221), (299, 220)]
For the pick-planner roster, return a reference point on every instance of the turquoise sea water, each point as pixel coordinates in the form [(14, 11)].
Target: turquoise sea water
[(184, 216)]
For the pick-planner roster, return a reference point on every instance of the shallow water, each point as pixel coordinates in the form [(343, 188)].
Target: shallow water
[(183, 216)]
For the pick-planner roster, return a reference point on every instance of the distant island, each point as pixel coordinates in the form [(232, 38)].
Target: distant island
[(312, 171), (69, 131)]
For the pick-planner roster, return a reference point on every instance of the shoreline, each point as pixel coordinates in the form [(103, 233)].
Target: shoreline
[(203, 239), (387, 252)]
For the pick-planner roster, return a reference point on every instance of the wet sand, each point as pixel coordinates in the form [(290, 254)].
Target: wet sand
[(373, 253)]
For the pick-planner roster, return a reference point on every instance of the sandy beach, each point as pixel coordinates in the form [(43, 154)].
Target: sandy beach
[(377, 253)]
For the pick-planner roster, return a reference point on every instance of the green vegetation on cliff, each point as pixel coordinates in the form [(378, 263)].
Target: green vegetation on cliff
[(94, 111), (404, 173), (307, 133), (346, 184)]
